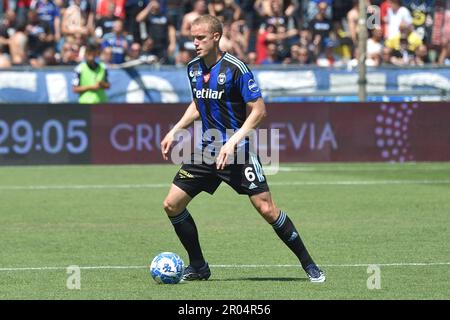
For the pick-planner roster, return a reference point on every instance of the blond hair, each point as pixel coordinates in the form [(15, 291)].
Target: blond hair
[(214, 24)]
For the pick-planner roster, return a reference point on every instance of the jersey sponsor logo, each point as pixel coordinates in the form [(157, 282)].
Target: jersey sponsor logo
[(208, 94), (222, 78), (252, 86)]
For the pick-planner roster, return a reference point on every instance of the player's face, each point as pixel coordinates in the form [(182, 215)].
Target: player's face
[(90, 58), (204, 40)]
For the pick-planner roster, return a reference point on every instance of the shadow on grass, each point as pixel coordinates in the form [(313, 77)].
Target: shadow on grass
[(285, 279)]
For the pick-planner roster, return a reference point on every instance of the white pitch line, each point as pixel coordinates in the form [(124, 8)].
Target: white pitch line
[(358, 183), (360, 169), (88, 186), (241, 266), (167, 185)]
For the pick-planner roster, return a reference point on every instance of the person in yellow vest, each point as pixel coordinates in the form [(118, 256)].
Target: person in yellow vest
[(91, 78), (406, 35)]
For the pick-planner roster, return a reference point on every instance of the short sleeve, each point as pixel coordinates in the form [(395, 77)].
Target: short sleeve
[(76, 76), (248, 87)]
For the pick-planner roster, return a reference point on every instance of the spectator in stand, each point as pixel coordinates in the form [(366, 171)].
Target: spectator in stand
[(74, 21), (421, 57), (149, 54), (183, 57), (240, 34), (375, 45), (384, 7), (84, 9), (303, 56), (7, 29), (352, 20), (328, 58), (262, 41), (422, 12), (104, 8), (263, 8), (251, 58), (80, 41), (386, 57), (4, 7), (402, 56), (345, 45), (291, 8), (175, 10), (46, 59), (405, 34), (18, 43), (134, 53), (293, 55), (227, 11), (396, 15), (39, 36), (104, 24), (285, 32), (162, 31), (305, 40), (444, 57), (106, 56), (69, 54), (132, 9), (22, 7), (272, 55), (118, 43), (200, 8), (321, 28), (226, 43), (340, 9), (185, 40), (313, 8), (48, 13)]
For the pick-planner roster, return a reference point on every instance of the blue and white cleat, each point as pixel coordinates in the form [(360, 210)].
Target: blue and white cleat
[(315, 274)]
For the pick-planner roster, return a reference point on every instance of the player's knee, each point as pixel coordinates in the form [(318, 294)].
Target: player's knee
[(267, 210), (170, 208)]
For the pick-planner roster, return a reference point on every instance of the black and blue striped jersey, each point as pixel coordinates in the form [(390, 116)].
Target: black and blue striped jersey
[(221, 93)]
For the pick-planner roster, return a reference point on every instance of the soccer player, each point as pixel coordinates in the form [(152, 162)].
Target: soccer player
[(222, 87)]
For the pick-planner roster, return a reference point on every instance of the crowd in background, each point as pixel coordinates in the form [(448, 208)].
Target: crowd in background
[(261, 32)]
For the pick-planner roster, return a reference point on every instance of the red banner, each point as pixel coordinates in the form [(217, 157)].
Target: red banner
[(354, 132)]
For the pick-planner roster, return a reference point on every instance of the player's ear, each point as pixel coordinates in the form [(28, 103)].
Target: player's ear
[(217, 36)]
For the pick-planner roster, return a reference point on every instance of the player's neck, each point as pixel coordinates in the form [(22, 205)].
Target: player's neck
[(212, 58)]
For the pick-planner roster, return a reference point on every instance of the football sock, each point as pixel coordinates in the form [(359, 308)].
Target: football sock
[(186, 230), (285, 229)]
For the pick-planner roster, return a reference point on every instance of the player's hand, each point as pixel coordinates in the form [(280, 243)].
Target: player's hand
[(166, 143), (226, 151), (95, 86)]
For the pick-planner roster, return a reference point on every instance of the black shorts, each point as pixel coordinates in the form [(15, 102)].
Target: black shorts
[(245, 178)]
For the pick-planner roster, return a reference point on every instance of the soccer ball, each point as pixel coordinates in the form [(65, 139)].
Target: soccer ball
[(167, 268)]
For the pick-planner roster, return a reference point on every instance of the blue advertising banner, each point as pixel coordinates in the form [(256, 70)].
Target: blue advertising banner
[(170, 85)]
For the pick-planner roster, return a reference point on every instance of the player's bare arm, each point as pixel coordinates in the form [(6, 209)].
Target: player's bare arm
[(257, 114), (190, 115), (82, 89)]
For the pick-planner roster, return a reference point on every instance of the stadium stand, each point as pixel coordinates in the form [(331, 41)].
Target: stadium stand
[(286, 34)]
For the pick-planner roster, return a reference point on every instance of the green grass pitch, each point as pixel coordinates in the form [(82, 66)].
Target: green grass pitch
[(109, 221)]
